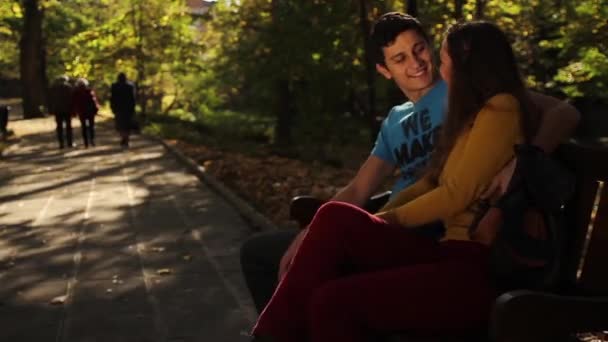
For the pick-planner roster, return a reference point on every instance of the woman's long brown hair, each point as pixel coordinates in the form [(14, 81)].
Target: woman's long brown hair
[(483, 65)]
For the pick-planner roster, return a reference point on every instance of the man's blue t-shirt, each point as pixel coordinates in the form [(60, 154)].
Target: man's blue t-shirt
[(407, 135)]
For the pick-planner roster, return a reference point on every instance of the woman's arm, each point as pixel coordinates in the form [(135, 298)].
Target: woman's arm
[(420, 187), (559, 120), (488, 148)]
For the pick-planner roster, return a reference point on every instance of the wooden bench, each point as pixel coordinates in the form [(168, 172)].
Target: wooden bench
[(580, 303)]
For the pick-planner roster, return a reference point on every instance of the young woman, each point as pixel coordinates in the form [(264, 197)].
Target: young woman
[(86, 106), (356, 274)]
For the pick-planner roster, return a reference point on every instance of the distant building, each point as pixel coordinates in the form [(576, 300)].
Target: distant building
[(199, 10), (199, 7)]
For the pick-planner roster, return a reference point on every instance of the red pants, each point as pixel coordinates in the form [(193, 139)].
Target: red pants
[(355, 276)]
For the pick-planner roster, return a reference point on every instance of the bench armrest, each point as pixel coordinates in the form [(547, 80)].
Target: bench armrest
[(524, 315), (303, 208)]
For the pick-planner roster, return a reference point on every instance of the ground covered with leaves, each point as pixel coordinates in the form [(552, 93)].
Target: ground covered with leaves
[(266, 181)]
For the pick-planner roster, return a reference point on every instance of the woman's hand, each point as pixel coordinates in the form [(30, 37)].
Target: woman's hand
[(500, 183)]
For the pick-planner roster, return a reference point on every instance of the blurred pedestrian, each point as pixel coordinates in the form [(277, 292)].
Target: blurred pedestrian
[(4, 109), (122, 102), (60, 105), (86, 106)]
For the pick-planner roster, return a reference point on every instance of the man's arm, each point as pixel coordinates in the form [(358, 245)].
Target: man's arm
[(367, 180), (559, 120)]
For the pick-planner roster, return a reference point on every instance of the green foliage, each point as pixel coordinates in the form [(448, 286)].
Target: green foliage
[(316, 46), (10, 26), (583, 50), (154, 44), (587, 76), (561, 45), (204, 69), (224, 128)]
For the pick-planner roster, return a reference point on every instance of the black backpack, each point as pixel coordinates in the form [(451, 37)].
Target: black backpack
[(531, 234)]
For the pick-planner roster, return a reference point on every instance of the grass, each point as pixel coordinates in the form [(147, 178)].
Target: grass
[(252, 134), (227, 130)]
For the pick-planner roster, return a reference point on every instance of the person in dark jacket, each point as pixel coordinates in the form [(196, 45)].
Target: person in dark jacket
[(4, 109), (60, 105), (122, 102), (86, 106)]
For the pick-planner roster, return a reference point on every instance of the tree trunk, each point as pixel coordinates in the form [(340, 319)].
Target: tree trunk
[(283, 114), (140, 89), (458, 4), (479, 8), (284, 103), (370, 71), (32, 60), (412, 8)]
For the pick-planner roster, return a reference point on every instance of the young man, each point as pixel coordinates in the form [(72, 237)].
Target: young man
[(406, 138), (4, 110)]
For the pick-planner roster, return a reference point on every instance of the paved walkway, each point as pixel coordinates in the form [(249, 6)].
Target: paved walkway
[(103, 244)]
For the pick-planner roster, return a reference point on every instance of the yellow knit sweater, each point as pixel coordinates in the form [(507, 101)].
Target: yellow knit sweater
[(478, 155)]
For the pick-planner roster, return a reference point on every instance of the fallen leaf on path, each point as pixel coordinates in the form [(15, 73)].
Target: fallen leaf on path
[(163, 271), (267, 181), (60, 300)]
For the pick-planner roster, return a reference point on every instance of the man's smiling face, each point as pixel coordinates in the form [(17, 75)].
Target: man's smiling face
[(408, 60)]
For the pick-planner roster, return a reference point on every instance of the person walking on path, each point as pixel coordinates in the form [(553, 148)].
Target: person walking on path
[(122, 102), (4, 109), (60, 105), (86, 106)]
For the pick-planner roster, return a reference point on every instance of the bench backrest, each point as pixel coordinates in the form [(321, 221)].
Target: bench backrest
[(587, 215)]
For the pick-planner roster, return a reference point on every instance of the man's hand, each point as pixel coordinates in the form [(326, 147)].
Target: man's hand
[(501, 181), (291, 252), (388, 216)]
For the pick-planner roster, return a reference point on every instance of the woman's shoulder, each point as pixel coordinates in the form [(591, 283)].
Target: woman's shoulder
[(502, 102)]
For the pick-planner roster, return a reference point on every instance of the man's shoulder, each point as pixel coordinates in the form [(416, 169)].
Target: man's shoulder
[(399, 111), (436, 95)]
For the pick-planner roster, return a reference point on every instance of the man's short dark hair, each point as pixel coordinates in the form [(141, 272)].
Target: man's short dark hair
[(386, 29)]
